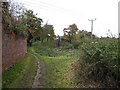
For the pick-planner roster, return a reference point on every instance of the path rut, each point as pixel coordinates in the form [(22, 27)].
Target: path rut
[(40, 76)]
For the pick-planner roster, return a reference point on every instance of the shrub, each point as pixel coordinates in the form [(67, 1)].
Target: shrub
[(68, 46), (101, 60), (44, 50)]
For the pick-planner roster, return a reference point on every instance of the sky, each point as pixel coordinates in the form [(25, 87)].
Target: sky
[(62, 13)]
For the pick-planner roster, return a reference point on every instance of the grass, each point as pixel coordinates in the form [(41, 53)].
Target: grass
[(63, 68), (21, 75), (56, 71), (58, 68)]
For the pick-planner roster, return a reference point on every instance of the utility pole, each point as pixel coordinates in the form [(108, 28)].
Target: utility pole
[(91, 25)]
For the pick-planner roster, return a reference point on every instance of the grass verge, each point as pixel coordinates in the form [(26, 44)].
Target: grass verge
[(21, 75), (58, 73)]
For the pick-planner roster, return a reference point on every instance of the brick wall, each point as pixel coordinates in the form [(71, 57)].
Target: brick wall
[(13, 49)]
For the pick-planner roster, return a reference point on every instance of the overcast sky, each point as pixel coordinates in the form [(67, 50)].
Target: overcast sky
[(62, 13)]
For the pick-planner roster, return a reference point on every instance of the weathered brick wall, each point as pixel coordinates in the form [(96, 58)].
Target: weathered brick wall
[(13, 49)]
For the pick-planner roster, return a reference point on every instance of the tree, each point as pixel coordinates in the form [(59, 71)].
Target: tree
[(70, 32), (33, 24), (38, 29), (6, 17), (48, 32), (12, 19)]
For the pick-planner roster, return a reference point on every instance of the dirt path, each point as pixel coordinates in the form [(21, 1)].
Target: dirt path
[(40, 76)]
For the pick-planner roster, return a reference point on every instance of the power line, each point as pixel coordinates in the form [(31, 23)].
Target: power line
[(48, 6), (39, 6)]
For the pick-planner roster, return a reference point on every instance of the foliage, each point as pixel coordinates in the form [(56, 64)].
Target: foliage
[(6, 15), (44, 50), (12, 19), (68, 46), (25, 23), (101, 59), (44, 34), (78, 38), (48, 33), (70, 32), (33, 23)]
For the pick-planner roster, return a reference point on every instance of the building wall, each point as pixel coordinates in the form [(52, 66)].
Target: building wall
[(13, 49)]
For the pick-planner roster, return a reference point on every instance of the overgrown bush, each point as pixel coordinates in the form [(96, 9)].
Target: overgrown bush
[(12, 19), (44, 50), (101, 61), (68, 46), (75, 44)]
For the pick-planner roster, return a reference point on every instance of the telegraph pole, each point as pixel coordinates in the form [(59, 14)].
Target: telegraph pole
[(92, 25)]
